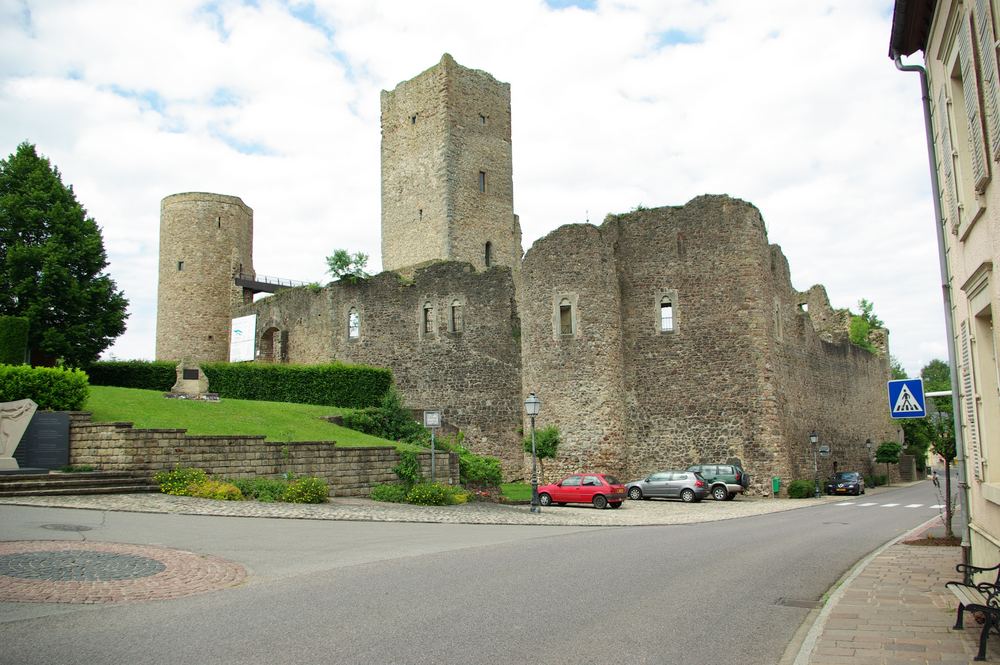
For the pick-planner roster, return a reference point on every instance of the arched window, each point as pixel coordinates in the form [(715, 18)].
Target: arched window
[(666, 314), (353, 324), (428, 325), (455, 320), (565, 317), (488, 254)]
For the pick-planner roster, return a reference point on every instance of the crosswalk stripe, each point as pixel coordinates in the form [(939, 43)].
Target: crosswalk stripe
[(867, 504), (940, 505), (913, 505), (889, 505), (846, 503)]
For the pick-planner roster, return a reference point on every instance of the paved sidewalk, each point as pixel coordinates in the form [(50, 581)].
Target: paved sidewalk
[(893, 609)]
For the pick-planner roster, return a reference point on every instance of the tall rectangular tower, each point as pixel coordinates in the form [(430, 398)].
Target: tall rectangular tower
[(447, 183)]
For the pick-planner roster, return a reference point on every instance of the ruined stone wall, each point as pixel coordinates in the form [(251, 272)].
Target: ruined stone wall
[(576, 371), (205, 241), (447, 184), (471, 373), (347, 471)]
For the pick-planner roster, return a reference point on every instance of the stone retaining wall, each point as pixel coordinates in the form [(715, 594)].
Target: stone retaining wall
[(348, 471)]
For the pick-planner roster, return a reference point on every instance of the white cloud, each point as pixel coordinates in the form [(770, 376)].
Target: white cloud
[(637, 102)]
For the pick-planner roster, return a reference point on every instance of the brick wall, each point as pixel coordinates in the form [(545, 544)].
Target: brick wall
[(347, 471)]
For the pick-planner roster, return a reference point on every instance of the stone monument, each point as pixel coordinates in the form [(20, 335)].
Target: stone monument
[(14, 419), (191, 383)]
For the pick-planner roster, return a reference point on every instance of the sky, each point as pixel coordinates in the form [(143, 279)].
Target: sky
[(793, 106)]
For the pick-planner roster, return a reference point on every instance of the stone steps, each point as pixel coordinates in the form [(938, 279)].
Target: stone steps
[(49, 484)]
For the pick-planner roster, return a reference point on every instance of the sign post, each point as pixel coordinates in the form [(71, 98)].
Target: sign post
[(906, 398), (432, 420)]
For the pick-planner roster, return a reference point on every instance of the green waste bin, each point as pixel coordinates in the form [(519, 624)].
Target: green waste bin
[(775, 486)]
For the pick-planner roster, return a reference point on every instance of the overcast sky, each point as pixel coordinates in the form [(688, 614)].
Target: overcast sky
[(791, 105)]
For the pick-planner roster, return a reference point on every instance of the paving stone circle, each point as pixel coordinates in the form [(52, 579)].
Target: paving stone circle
[(96, 572)]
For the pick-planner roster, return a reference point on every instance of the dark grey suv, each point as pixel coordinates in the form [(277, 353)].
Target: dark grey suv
[(725, 481)]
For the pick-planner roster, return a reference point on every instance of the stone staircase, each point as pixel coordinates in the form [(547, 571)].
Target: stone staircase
[(62, 484)]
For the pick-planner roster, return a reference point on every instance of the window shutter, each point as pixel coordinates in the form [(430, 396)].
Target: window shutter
[(988, 73), (969, 404), (950, 194), (970, 89)]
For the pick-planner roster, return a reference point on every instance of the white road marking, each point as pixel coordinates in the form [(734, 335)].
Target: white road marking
[(913, 505), (889, 505), (867, 504), (940, 505), (847, 503)]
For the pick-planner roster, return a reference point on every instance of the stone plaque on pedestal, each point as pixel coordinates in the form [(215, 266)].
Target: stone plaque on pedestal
[(14, 419), (45, 444)]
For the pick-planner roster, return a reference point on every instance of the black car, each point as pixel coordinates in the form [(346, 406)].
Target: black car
[(846, 482)]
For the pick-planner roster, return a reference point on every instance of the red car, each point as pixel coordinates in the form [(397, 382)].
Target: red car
[(599, 489)]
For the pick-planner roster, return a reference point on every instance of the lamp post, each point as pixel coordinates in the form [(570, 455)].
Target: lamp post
[(871, 465), (531, 406), (814, 441)]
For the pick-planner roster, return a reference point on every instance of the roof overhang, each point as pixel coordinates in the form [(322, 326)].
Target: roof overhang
[(911, 24)]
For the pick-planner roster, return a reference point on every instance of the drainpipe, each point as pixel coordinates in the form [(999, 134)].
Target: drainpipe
[(963, 482)]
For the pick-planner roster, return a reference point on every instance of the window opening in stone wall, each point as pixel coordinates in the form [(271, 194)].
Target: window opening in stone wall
[(180, 265), (666, 315), (488, 254), (456, 316), (565, 317), (218, 222), (420, 214), (482, 181), (413, 119), (482, 119), (428, 318), (353, 324), (777, 319)]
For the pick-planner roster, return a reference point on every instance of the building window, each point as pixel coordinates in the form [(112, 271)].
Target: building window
[(488, 254), (353, 324), (218, 222), (428, 325), (666, 315), (413, 119), (482, 181), (482, 119), (565, 317), (455, 323), (180, 265)]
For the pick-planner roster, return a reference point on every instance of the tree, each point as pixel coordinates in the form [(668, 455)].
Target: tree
[(346, 266), (52, 264), (896, 370), (546, 445), (888, 453), (862, 324)]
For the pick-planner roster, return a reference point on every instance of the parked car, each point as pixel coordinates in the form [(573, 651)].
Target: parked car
[(599, 489), (725, 481), (846, 482), (688, 486)]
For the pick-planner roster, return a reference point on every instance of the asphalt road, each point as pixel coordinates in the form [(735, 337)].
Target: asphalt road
[(344, 592)]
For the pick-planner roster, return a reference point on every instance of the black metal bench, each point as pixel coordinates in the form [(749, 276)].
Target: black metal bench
[(982, 597)]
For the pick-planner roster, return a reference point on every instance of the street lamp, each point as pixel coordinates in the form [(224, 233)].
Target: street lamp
[(532, 405), (814, 441), (871, 465)]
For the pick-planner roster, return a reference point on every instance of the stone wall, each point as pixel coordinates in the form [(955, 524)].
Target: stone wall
[(347, 471), (472, 374), (205, 241)]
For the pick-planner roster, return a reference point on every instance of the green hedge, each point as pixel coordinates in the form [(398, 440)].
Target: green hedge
[(141, 374), (51, 388), (337, 384), (13, 339), (801, 489)]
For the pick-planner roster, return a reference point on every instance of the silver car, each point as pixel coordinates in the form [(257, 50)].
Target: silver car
[(688, 486)]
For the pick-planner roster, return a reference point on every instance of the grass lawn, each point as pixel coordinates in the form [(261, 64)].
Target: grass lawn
[(278, 421), (516, 491)]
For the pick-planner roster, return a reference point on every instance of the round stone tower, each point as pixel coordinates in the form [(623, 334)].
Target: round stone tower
[(206, 243)]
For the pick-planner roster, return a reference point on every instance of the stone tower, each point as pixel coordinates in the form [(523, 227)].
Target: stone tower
[(206, 241), (447, 185)]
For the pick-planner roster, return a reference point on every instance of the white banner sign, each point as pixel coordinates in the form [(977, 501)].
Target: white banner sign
[(242, 339)]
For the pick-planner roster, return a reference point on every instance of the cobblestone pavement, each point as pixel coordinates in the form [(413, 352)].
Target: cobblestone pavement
[(49, 571), (632, 513)]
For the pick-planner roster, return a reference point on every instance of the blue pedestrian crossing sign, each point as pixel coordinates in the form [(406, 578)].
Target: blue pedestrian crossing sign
[(906, 399)]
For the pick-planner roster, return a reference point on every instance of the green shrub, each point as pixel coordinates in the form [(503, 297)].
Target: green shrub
[(393, 493), (51, 388), (265, 490), (13, 340), (479, 470), (215, 489), (435, 494), (390, 420), (77, 468), (306, 490), (142, 374), (408, 470), (876, 480), (179, 481), (801, 489), (336, 384)]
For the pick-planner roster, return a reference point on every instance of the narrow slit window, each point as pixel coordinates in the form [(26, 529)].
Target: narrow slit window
[(488, 254), (353, 324), (666, 315), (218, 222), (482, 119), (456, 316), (565, 317), (180, 265), (482, 181), (413, 119), (428, 319)]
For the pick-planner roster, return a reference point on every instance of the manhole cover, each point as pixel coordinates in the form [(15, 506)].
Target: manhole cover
[(78, 565), (67, 527)]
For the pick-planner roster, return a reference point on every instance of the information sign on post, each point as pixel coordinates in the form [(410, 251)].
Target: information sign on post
[(432, 420), (824, 451), (906, 398)]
